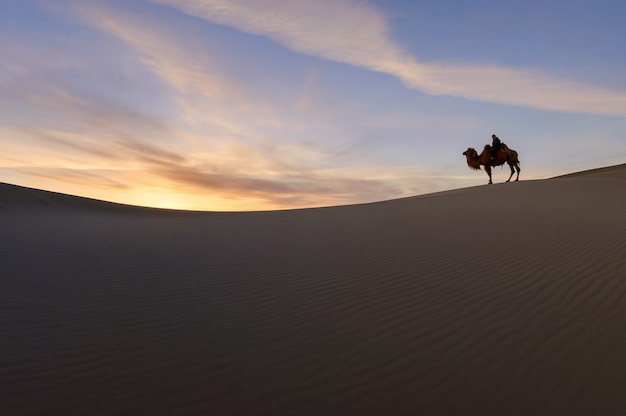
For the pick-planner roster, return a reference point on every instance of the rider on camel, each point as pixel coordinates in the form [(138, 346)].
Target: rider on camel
[(496, 144)]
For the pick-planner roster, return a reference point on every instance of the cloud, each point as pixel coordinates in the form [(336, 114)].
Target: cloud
[(357, 33), (285, 190), (41, 90), (97, 167), (526, 87), (168, 56), (103, 178), (81, 146)]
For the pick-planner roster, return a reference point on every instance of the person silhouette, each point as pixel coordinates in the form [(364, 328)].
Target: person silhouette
[(496, 144)]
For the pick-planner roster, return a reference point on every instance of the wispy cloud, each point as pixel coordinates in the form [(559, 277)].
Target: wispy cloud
[(103, 178), (357, 33), (40, 90), (195, 84), (136, 172)]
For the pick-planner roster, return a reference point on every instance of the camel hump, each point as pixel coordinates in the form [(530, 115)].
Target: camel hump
[(504, 147)]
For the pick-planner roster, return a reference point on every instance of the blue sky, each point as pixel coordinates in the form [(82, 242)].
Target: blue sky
[(272, 104)]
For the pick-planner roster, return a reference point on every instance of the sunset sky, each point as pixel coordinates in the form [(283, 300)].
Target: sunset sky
[(273, 104)]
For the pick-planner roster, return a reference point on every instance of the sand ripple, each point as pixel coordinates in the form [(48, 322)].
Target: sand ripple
[(507, 299)]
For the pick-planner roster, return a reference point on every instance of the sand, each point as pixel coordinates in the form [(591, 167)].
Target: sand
[(507, 299), (618, 171)]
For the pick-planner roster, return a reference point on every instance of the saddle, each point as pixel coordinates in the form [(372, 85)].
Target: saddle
[(492, 154)]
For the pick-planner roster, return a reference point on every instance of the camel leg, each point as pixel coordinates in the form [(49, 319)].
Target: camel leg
[(488, 170), (512, 172), (518, 171)]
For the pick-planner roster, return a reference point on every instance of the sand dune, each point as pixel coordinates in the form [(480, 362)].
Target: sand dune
[(618, 171), (507, 299)]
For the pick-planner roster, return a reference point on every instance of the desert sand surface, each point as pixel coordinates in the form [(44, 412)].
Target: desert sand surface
[(618, 171), (507, 299)]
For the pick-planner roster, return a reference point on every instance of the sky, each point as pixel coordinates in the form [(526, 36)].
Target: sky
[(248, 105)]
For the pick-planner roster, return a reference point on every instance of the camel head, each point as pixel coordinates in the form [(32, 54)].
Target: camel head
[(471, 152), (473, 160)]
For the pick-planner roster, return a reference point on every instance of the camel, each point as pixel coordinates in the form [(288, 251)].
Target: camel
[(503, 155)]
